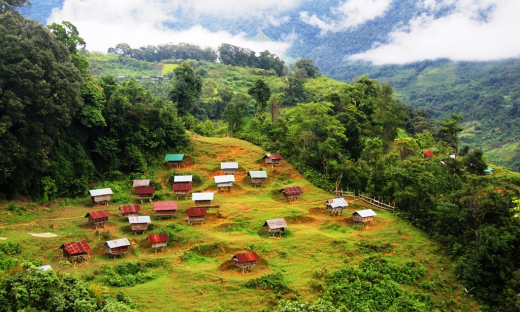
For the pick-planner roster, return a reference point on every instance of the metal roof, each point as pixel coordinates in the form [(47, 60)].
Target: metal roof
[(45, 267), (225, 184), (141, 183), (145, 190), (273, 156), (162, 206), (366, 213), (101, 192), (258, 174), (228, 165), (276, 223), (246, 257), (224, 178), (158, 238), (428, 153), (173, 157), (337, 202), (140, 219), (186, 178), (75, 248), (201, 196), (130, 208), (196, 212), (98, 214), (122, 242), (294, 190), (182, 187)]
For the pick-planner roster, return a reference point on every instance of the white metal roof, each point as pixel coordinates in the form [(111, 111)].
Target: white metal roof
[(366, 213), (258, 174), (101, 192), (45, 267), (338, 202), (224, 178), (139, 183), (140, 219), (228, 165), (225, 184), (118, 243), (201, 196), (186, 178)]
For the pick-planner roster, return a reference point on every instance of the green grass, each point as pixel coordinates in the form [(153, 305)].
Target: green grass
[(167, 68)]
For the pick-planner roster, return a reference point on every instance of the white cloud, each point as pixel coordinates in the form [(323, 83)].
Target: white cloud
[(462, 35)]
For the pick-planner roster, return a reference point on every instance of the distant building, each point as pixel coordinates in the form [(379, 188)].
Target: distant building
[(196, 215), (141, 183), (246, 261), (229, 167), (117, 247), (182, 189), (165, 208), (139, 224), (158, 241), (427, 153), (76, 250), (174, 160), (275, 226), (364, 216), (258, 177), (224, 182), (336, 205), (292, 193), (145, 192), (130, 210), (101, 196), (202, 199), (273, 160), (97, 218)]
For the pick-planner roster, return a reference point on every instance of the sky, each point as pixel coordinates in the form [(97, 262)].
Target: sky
[(463, 34)]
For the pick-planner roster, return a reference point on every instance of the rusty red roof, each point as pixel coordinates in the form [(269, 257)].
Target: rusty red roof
[(98, 214), (182, 187), (158, 238), (294, 190), (145, 190), (274, 156), (160, 206), (246, 257), (75, 248), (130, 208), (196, 212), (428, 153)]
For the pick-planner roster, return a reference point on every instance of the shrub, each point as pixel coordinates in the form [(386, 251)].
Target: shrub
[(120, 198), (11, 248), (275, 282)]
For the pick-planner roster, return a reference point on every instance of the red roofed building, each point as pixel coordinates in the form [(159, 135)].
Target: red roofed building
[(292, 193), (196, 215), (145, 192), (130, 210), (272, 160), (75, 250), (428, 153), (158, 240), (182, 189), (97, 218), (165, 208), (246, 260)]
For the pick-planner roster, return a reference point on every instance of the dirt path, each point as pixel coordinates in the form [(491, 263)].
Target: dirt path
[(34, 222)]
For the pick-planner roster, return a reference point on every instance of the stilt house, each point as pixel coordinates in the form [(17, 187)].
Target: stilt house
[(276, 226), (174, 160), (202, 199), (196, 215), (76, 250), (117, 247), (145, 192), (98, 218), (224, 182), (364, 216), (336, 205), (183, 179), (182, 189), (139, 224), (229, 167), (165, 208), (130, 210), (273, 160), (246, 261), (258, 177), (140, 183), (101, 196), (158, 241), (292, 193)]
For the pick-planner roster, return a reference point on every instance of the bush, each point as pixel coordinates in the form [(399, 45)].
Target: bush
[(14, 208), (11, 248), (275, 282), (120, 198)]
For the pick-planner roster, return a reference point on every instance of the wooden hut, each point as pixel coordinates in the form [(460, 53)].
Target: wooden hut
[(101, 196), (187, 179), (174, 160), (141, 183), (202, 199), (117, 247), (364, 216), (336, 205), (139, 224), (273, 160), (165, 208), (196, 215), (229, 167), (292, 193), (145, 192), (258, 177), (158, 241), (427, 153), (224, 182), (246, 261), (130, 210), (182, 189), (76, 250), (276, 226), (98, 218)]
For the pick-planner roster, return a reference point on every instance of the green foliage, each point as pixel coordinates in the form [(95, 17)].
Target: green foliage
[(274, 282), (186, 88), (11, 248), (192, 257), (295, 306), (127, 274)]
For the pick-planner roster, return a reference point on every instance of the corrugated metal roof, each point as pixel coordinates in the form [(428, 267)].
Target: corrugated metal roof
[(130, 208), (141, 183), (294, 190), (98, 214), (276, 223), (162, 206), (173, 157), (224, 178), (186, 178), (228, 165), (101, 192), (337, 202), (201, 196), (117, 243), (366, 213), (140, 219), (258, 174), (246, 257), (428, 153), (45, 267), (145, 190), (273, 156), (75, 248), (158, 238), (182, 187), (196, 212), (227, 184)]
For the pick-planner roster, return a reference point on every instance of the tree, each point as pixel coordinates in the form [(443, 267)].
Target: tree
[(186, 88), (275, 104), (405, 147), (261, 93), (13, 5), (235, 112), (450, 129), (68, 34), (474, 162), (309, 67)]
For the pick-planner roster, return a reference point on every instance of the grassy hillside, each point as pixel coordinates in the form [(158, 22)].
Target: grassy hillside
[(197, 271)]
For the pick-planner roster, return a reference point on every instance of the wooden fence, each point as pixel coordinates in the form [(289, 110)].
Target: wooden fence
[(371, 201)]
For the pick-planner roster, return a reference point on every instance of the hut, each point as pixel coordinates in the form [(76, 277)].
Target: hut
[(98, 218), (76, 250), (292, 193), (272, 160), (196, 215), (229, 167), (187, 179), (141, 183), (258, 177), (158, 241), (174, 160), (182, 189), (364, 216), (336, 205), (117, 247), (46, 267), (489, 170), (225, 181), (427, 153), (276, 226), (139, 224), (145, 192), (101, 196), (130, 210), (202, 199), (165, 208), (246, 260)]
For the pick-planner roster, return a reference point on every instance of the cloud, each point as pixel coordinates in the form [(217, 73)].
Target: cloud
[(476, 30)]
